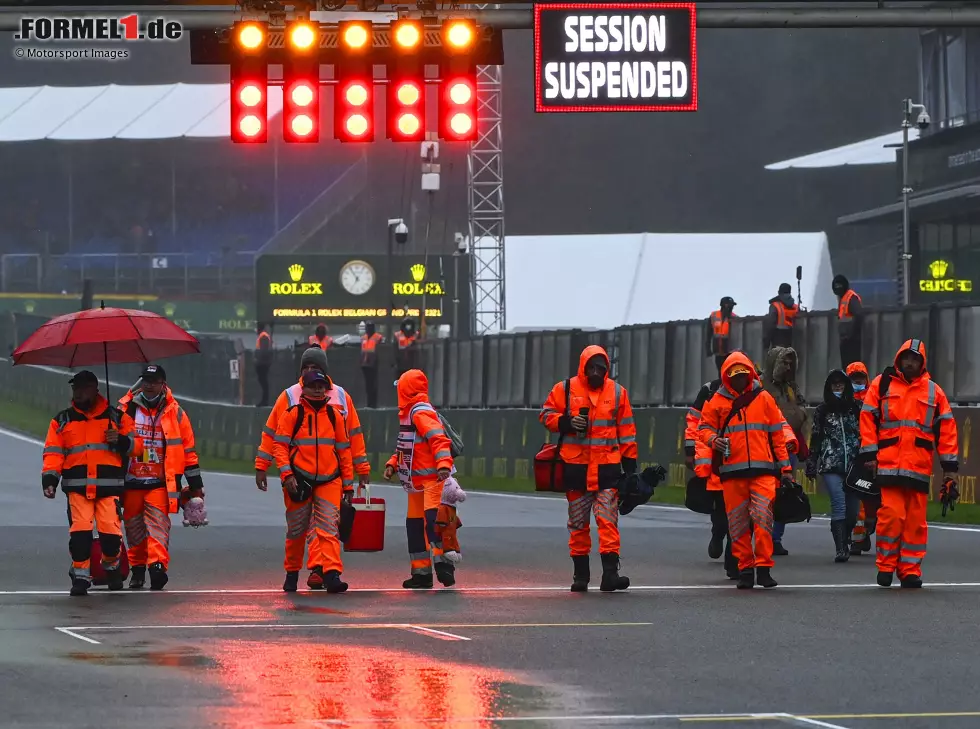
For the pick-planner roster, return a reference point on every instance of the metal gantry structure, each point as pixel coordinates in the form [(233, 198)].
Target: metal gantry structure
[(485, 183)]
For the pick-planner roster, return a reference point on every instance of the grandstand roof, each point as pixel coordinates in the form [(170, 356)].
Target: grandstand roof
[(878, 150), (82, 113)]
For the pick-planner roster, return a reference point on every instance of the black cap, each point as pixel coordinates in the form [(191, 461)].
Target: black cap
[(84, 377), (784, 288), (154, 372)]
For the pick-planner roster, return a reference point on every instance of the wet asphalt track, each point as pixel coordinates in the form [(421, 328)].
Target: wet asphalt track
[(222, 646)]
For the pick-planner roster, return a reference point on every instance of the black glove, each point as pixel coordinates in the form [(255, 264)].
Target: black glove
[(786, 481), (629, 466), (123, 444), (348, 497), (565, 425)]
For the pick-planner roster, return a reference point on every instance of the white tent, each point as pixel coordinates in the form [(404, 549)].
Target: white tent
[(605, 281), (163, 111)]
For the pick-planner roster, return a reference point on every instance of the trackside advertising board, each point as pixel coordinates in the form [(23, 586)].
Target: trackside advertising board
[(615, 57)]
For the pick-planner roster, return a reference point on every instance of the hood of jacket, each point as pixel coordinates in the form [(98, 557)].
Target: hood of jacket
[(781, 364), (413, 388), (588, 353), (840, 284), (787, 300), (738, 358), (845, 401), (912, 345), (857, 367)]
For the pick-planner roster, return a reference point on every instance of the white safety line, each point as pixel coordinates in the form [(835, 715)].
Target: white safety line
[(73, 634), (558, 588), (440, 634), (813, 722)]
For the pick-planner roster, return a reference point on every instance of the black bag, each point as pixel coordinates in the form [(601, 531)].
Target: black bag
[(697, 498), (347, 514), (791, 505), (860, 481)]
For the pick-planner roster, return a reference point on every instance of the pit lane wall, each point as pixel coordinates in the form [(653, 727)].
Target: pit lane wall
[(499, 443)]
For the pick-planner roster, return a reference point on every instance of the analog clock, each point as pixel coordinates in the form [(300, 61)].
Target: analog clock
[(357, 277)]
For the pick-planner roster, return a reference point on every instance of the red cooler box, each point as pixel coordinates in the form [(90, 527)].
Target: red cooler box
[(368, 533), (98, 574)]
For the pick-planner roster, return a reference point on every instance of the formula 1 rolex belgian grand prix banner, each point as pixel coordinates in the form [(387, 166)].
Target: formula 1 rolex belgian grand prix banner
[(615, 57), (305, 288)]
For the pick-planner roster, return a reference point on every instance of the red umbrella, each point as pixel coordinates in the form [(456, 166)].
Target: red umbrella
[(105, 335)]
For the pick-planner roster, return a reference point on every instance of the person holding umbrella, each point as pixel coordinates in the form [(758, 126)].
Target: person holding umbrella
[(86, 448)]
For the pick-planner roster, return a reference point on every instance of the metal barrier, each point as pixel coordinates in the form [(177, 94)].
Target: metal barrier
[(662, 365)]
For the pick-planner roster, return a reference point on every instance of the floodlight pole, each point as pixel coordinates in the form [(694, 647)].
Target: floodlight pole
[(908, 108)]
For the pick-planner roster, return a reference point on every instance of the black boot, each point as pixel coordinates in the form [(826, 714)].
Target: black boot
[(885, 579), (611, 580), (731, 564), (581, 576), (114, 579), (137, 577), (763, 578), (746, 579), (79, 586), (446, 572), (291, 583), (715, 546), (315, 579), (870, 525), (837, 527), (911, 581), (333, 582), (158, 576), (418, 582)]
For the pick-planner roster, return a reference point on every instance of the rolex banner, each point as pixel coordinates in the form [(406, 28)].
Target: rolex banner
[(309, 288)]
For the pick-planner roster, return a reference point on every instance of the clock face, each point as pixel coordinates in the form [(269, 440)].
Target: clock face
[(357, 277)]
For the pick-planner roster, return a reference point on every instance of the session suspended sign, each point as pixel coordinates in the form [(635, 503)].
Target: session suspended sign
[(616, 57)]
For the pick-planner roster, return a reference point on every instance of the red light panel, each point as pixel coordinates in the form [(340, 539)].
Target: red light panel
[(457, 108)]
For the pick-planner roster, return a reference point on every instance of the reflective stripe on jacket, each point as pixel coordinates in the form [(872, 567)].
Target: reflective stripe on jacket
[(75, 450), (903, 429), (423, 446), (317, 452)]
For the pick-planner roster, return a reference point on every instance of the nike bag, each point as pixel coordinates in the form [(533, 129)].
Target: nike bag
[(792, 505), (860, 481), (367, 530)]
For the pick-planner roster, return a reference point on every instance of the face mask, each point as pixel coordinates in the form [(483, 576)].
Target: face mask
[(838, 395), (595, 381), (859, 388)]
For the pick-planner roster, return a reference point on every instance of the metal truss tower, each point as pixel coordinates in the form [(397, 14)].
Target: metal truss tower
[(485, 184)]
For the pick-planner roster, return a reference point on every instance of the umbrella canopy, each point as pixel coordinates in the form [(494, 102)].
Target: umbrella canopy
[(105, 336)]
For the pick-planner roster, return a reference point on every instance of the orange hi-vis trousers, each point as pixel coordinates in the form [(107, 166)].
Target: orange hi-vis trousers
[(748, 502), (424, 544), (300, 534), (325, 549), (146, 514), (605, 505), (902, 531), (83, 514)]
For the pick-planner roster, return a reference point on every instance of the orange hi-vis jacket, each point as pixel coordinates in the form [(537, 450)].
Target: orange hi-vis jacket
[(859, 367), (323, 344), (76, 451), (423, 446), (593, 460), (338, 398), (168, 448), (693, 417), (756, 434), (785, 316), (317, 449), (369, 349), (405, 342), (903, 429), (720, 332)]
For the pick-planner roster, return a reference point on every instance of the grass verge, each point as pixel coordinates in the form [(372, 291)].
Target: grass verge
[(32, 421)]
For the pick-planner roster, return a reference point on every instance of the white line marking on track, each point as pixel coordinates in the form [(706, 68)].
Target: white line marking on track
[(813, 722), (562, 588), (440, 634), (73, 634)]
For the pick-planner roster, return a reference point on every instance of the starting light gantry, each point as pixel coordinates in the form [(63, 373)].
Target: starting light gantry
[(406, 48)]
